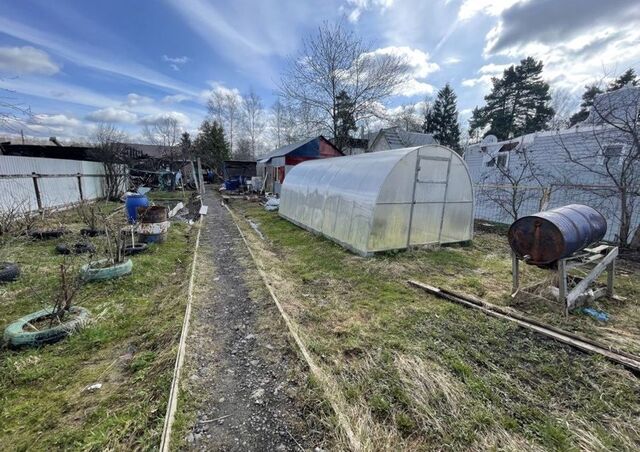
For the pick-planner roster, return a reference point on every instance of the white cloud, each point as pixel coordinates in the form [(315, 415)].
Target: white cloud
[(493, 68), (417, 60), (451, 60), (26, 60), (359, 6), (114, 115), (471, 8), (175, 98), (176, 60), (134, 100), (55, 120), (414, 87), (183, 120), (87, 56)]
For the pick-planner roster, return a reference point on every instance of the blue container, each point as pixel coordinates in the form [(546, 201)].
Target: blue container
[(545, 237), (132, 203)]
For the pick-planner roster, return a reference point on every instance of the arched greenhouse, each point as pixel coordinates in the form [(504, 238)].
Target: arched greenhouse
[(383, 200)]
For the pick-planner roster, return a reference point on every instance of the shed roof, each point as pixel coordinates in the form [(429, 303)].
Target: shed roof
[(398, 138), (284, 150)]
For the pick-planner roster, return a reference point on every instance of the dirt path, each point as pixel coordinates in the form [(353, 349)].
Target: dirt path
[(246, 384)]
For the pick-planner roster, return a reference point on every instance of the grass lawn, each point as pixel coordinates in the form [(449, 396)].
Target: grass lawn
[(129, 347), (419, 373)]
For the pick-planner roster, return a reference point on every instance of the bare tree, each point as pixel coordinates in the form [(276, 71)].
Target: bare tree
[(335, 60), (165, 132), (111, 150), (244, 150), (513, 182), (12, 113), (563, 103), (407, 118), (253, 122), (224, 106), (606, 157)]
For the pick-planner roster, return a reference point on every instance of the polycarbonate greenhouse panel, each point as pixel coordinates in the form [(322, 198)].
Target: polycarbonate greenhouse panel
[(384, 200)]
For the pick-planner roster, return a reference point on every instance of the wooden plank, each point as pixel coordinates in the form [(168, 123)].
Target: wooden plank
[(629, 361), (598, 249), (592, 276)]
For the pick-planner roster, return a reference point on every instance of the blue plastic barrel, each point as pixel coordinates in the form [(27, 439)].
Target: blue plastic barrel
[(545, 237), (132, 203)]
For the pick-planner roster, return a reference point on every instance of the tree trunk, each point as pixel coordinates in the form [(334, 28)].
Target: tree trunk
[(625, 222), (635, 242)]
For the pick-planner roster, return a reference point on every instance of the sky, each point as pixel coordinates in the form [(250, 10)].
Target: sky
[(77, 63)]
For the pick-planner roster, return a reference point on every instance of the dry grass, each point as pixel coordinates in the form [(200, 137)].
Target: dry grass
[(417, 373)]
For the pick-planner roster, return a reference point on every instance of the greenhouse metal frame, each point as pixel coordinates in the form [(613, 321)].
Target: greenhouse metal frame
[(385, 200)]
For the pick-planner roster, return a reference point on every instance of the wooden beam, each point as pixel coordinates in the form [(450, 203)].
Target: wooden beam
[(628, 360)]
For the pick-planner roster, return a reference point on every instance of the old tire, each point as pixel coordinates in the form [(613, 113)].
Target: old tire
[(44, 234), (9, 271), (135, 249), (16, 336), (93, 272), (87, 232)]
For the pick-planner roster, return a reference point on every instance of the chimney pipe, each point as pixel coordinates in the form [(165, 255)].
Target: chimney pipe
[(55, 141)]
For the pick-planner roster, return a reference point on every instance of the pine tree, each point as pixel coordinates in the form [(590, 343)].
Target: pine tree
[(517, 104), (345, 121), (588, 97), (442, 119), (211, 145), (629, 77)]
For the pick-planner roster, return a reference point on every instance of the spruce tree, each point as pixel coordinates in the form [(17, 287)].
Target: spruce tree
[(588, 97), (629, 77), (442, 120), (345, 121), (517, 104), (185, 145), (211, 145)]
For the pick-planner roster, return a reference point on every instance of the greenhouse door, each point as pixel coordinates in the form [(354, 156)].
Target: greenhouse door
[(429, 200)]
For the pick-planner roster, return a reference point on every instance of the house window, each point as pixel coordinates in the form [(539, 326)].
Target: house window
[(501, 161), (612, 153)]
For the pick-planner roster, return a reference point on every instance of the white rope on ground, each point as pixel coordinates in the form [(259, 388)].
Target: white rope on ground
[(318, 373), (172, 403)]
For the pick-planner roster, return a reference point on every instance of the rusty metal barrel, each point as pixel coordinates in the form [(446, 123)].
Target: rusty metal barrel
[(546, 237), (153, 224)]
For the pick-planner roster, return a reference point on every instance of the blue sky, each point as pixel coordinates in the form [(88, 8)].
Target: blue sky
[(76, 63)]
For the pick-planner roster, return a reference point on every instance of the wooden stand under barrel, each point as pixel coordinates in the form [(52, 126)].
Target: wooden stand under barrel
[(598, 259)]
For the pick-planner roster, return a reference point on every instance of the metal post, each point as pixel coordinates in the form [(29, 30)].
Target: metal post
[(515, 273), (611, 269), (562, 285), (35, 176), (80, 186)]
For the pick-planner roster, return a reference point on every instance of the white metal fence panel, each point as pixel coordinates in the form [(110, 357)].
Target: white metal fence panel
[(55, 182)]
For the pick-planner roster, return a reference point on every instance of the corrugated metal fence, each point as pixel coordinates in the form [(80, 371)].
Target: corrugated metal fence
[(31, 183), (494, 203)]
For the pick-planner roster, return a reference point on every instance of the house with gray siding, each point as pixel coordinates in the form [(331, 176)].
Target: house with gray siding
[(584, 164), (396, 138)]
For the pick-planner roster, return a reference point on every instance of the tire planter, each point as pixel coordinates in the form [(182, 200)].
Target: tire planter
[(16, 336), (135, 249), (77, 248), (44, 234), (9, 272), (94, 272), (87, 232)]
